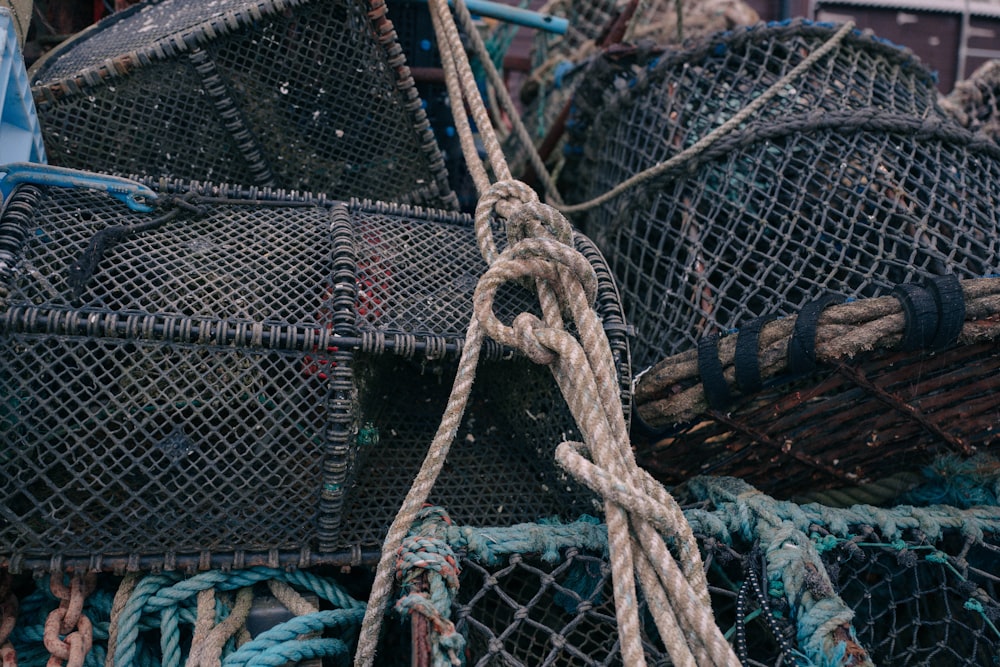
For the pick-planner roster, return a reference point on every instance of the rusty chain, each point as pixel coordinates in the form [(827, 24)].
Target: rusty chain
[(8, 618), (69, 634)]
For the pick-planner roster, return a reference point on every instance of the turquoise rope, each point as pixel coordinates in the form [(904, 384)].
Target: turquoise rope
[(426, 552), (489, 545), (128, 621), (298, 650), (270, 642)]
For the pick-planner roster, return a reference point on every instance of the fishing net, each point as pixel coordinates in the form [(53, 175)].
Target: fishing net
[(298, 95), (245, 373), (789, 584), (911, 585), (850, 179)]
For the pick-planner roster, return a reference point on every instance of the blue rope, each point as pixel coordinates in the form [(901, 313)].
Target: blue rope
[(426, 553), (272, 641)]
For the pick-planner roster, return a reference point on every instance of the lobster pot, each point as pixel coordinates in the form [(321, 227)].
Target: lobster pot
[(849, 180), (286, 94), (899, 587), (254, 374)]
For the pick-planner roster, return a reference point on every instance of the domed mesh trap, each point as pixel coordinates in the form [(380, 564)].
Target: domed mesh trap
[(254, 373), (849, 180), (299, 95)]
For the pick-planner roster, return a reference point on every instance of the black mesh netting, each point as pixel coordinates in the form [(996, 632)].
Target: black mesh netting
[(299, 95), (254, 373), (850, 180)]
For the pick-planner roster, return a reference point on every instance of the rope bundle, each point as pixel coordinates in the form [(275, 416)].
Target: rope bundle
[(640, 513)]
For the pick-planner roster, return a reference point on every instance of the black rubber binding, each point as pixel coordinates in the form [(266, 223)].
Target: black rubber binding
[(710, 368), (802, 346)]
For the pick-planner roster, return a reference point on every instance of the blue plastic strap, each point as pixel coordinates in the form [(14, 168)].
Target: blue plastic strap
[(127, 191)]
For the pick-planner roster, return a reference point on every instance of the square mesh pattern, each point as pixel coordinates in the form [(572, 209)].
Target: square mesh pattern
[(311, 96), (254, 372), (136, 446), (500, 469), (877, 189), (765, 230), (415, 278), (526, 612)]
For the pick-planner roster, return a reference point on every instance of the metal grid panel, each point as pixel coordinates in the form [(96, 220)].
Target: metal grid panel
[(228, 381), (304, 95), (271, 266), (115, 446)]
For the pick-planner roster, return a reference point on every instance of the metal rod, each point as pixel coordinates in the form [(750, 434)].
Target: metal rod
[(517, 16)]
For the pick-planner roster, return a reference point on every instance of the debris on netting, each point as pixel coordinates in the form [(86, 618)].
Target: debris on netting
[(957, 481), (975, 101), (849, 179), (841, 403), (300, 95)]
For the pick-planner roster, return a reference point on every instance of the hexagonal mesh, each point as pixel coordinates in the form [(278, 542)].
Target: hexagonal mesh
[(303, 95), (254, 371), (850, 180), (903, 586)]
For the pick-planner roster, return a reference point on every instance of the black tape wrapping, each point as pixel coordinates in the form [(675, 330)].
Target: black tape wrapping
[(950, 303), (746, 359), (921, 315), (802, 345), (710, 368)]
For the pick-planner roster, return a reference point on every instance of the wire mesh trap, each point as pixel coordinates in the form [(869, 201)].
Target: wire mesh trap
[(855, 425), (850, 179), (789, 584), (298, 95), (214, 378)]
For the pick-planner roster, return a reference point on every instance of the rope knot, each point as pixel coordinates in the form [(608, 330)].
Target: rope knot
[(534, 219), (524, 327), (504, 198), (420, 555)]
